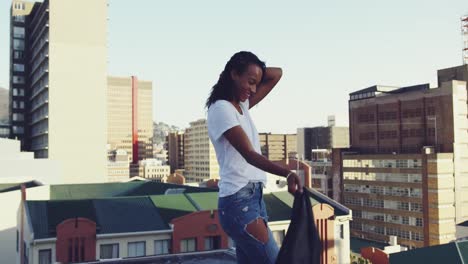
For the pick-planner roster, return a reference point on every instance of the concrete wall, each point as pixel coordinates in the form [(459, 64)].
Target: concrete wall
[(460, 148), (342, 239), (124, 240), (10, 219), (77, 88), (17, 166)]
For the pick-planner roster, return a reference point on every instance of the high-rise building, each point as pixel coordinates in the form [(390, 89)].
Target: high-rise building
[(315, 145), (459, 73), (4, 116), (58, 69), (464, 29), (175, 147), (404, 173), (130, 117), (278, 146), (309, 138), (199, 154)]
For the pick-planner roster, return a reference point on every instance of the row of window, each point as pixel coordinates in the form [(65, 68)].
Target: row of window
[(386, 204), (393, 115), (405, 133), (385, 177), (394, 163), (410, 235), (392, 191), (19, 6), (396, 219), (362, 95)]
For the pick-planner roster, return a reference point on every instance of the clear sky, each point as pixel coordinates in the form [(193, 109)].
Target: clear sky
[(327, 49)]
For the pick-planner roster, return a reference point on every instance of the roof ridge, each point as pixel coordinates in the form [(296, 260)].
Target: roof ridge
[(459, 252), (277, 198), (195, 204)]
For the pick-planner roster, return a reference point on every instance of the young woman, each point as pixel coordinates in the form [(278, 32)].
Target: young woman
[(244, 82)]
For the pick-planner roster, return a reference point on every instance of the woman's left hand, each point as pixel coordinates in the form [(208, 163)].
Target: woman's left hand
[(294, 183)]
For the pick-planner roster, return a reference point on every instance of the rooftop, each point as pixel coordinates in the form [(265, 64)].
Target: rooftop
[(377, 90), (358, 243), (119, 189), (453, 253), (8, 187), (205, 257), (113, 215), (143, 213)]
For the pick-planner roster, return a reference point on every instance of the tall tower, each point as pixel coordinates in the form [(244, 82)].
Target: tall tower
[(58, 78), (464, 29), (199, 154), (130, 116)]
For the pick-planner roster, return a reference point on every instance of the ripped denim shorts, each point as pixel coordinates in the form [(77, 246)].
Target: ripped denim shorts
[(236, 211)]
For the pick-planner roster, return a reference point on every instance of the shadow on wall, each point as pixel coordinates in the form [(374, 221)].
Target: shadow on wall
[(8, 245)]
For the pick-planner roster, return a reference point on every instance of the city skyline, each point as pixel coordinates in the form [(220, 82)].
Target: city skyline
[(317, 45)]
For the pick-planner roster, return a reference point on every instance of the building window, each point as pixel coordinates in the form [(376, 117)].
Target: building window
[(18, 32), (17, 241), (137, 249), (18, 67), (213, 242), (188, 245), (18, 130), (109, 251), (278, 236), (18, 55), (405, 220), (18, 44), (419, 222), (18, 92), (18, 117), (162, 246), (18, 79), (45, 256), (19, 18)]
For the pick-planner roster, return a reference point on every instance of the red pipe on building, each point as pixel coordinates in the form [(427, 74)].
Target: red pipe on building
[(134, 120)]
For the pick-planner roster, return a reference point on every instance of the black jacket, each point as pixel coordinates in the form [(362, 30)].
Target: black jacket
[(302, 243)]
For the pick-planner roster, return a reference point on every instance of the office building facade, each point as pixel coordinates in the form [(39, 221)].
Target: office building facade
[(403, 175), (130, 117), (199, 154), (175, 148), (278, 146), (58, 69)]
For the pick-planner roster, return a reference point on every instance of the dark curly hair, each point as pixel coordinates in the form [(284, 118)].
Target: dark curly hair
[(224, 88)]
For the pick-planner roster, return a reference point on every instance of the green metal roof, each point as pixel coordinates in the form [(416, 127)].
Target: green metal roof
[(46, 215), (277, 209), (135, 214), (206, 200), (358, 243), (157, 188), (113, 215), (38, 217), (172, 206), (463, 249), (91, 190), (447, 253), (120, 189)]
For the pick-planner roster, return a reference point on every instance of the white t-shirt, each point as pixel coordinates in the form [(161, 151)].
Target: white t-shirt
[(234, 171)]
